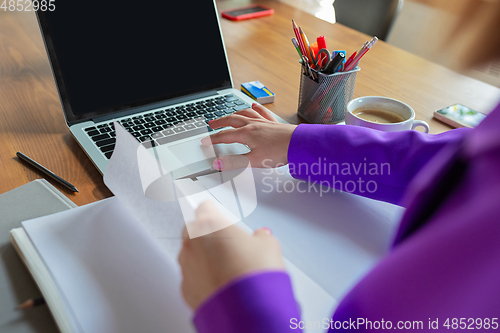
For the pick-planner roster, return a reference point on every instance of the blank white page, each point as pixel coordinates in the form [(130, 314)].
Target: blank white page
[(333, 237)]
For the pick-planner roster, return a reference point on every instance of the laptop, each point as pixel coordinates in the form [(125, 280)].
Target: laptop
[(158, 68)]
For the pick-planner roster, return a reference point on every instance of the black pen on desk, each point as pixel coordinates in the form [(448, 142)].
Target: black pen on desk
[(46, 171), (31, 303)]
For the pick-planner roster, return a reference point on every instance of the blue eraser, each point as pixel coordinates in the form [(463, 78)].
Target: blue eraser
[(258, 92)]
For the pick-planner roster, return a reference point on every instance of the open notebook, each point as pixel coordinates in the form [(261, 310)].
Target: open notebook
[(100, 271), (110, 266)]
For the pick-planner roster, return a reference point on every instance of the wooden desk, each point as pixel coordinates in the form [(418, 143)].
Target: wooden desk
[(31, 119)]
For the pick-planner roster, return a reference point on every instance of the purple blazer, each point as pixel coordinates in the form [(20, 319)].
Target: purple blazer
[(443, 271)]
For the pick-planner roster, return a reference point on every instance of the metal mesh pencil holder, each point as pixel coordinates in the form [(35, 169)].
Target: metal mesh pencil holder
[(322, 100)]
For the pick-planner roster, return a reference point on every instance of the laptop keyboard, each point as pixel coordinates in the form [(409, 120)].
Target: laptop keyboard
[(164, 126)]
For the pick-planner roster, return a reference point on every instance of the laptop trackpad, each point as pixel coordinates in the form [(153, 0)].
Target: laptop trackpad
[(191, 157)]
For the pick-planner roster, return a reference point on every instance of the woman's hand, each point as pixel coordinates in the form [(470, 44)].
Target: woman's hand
[(257, 128), (210, 261)]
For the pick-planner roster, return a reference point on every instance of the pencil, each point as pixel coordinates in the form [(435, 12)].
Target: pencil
[(46, 171), (299, 39), (350, 59), (306, 46), (368, 45), (297, 46), (31, 303)]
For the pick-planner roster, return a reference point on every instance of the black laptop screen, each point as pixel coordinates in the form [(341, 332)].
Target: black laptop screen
[(111, 55)]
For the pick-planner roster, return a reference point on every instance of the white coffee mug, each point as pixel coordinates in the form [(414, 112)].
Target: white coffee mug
[(399, 108)]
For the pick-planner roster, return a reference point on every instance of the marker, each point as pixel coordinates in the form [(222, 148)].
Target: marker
[(335, 63), (321, 40), (314, 50)]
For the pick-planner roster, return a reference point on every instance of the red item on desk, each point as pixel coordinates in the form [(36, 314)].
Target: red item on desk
[(350, 58), (321, 40), (245, 13)]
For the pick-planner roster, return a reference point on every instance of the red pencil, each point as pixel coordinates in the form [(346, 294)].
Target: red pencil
[(299, 39), (350, 59), (360, 54)]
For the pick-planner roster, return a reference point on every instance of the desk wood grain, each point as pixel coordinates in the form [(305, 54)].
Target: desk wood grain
[(31, 118)]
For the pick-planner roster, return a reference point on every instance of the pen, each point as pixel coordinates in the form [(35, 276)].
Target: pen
[(31, 303), (337, 69), (314, 51), (335, 63), (46, 171)]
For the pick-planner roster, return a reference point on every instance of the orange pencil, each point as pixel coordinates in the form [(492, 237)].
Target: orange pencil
[(306, 46)]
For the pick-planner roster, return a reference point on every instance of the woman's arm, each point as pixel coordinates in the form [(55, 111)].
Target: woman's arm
[(360, 160), (235, 281), (364, 161), (260, 302)]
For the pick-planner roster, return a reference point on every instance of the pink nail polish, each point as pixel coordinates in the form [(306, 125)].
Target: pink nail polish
[(218, 164), (268, 230)]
